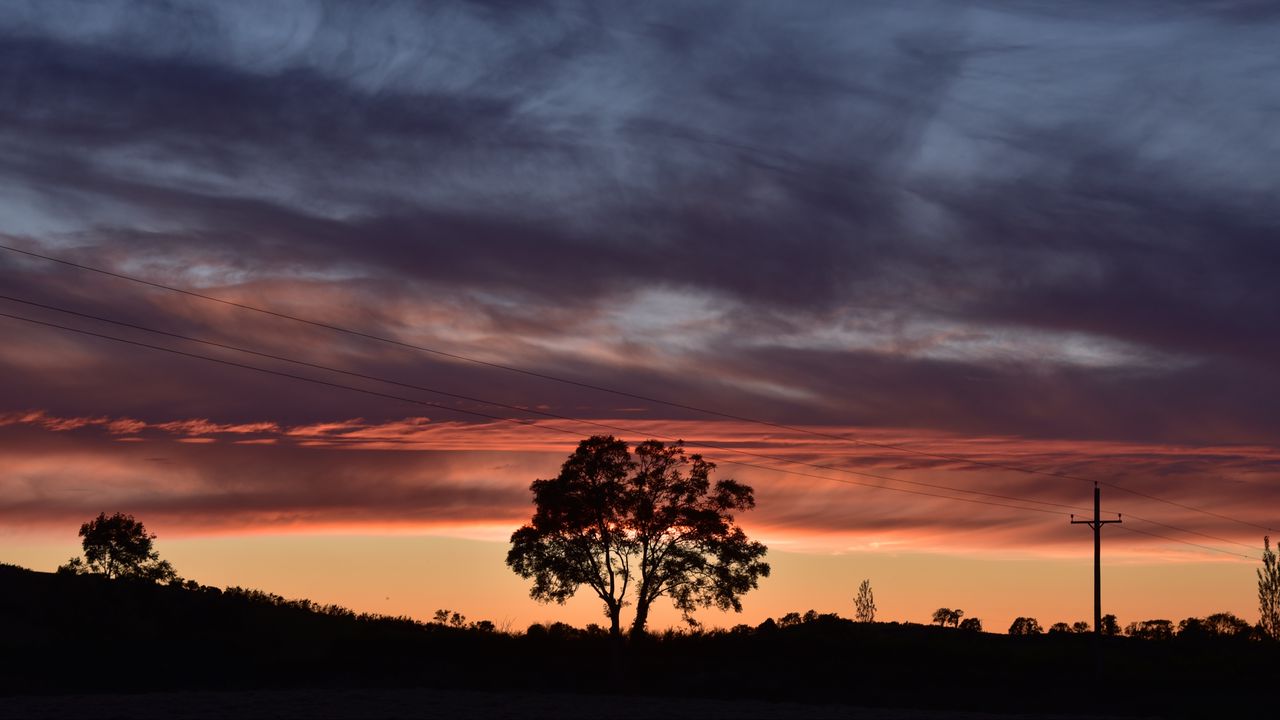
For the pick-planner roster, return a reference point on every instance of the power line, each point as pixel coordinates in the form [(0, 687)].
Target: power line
[(1186, 542), (551, 415), (556, 416), (428, 403), (624, 393)]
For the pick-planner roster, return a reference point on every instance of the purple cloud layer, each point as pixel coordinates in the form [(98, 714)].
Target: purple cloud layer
[(979, 219)]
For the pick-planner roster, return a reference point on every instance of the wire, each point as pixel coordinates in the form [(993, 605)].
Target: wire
[(556, 416), (428, 403), (623, 393), (560, 430), (1186, 542)]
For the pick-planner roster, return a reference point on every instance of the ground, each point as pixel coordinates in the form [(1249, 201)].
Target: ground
[(424, 703)]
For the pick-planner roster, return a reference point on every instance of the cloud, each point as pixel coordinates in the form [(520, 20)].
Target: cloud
[(979, 219), (447, 477)]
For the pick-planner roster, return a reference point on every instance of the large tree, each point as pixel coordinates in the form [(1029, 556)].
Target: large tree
[(119, 546), (635, 528)]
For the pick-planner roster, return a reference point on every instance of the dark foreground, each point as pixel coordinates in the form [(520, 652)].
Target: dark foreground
[(77, 646), (431, 704)]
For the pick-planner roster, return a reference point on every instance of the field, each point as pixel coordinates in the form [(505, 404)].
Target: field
[(86, 646)]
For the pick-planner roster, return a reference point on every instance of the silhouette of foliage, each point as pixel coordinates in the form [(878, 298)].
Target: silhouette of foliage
[(1217, 625), (1150, 630), (1110, 626), (119, 547), (1269, 592), (1225, 624), (1080, 626), (1059, 627), (1025, 626), (450, 618), (652, 524), (948, 616), (248, 639), (864, 604), (972, 624), (791, 619)]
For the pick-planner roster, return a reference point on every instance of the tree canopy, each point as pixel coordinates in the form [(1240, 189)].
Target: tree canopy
[(1025, 626), (634, 528), (119, 547), (1269, 591), (865, 603)]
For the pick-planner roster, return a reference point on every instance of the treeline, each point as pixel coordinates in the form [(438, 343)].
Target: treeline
[(79, 633)]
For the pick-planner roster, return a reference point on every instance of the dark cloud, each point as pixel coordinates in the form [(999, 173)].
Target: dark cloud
[(1011, 217)]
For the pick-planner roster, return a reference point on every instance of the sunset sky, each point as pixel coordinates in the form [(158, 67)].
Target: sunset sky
[(929, 245)]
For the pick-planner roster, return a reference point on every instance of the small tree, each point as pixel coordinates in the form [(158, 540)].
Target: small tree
[(864, 604), (942, 616), (1059, 627), (1150, 630), (119, 547), (1109, 625), (654, 525), (1080, 626), (972, 624), (1269, 592), (1226, 624), (1025, 626)]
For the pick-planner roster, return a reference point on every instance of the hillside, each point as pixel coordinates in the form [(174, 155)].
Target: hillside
[(81, 634)]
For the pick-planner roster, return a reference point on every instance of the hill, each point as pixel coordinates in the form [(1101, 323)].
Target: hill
[(80, 634)]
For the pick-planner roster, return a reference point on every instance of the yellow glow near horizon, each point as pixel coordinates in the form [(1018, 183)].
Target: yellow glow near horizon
[(415, 575)]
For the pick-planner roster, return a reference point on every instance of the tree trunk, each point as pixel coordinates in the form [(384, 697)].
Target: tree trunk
[(642, 617), (615, 648), (615, 620)]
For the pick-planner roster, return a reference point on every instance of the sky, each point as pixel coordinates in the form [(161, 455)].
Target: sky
[(931, 245)]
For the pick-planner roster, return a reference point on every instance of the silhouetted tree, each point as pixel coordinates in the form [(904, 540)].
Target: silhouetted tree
[(449, 617), (119, 547), (1269, 592), (1059, 627), (864, 604), (1080, 626), (972, 624), (1025, 626), (1109, 625), (791, 619), (947, 616), (1225, 624), (1150, 630), (1191, 627), (654, 525)]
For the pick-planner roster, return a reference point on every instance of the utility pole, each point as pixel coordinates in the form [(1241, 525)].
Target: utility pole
[(1096, 523)]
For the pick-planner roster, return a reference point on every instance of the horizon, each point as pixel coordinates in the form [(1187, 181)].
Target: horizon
[(919, 276)]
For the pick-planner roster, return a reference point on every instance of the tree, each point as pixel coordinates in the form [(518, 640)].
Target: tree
[(1025, 626), (652, 524), (864, 604), (1059, 627), (1109, 625), (1080, 626), (947, 616), (972, 624), (119, 547), (1226, 624), (1150, 630), (1269, 592)]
